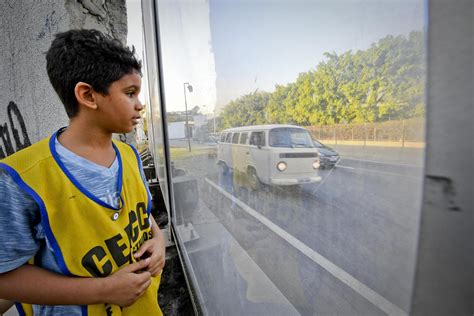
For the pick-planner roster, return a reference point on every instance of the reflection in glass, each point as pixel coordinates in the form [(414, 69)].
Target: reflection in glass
[(320, 214)]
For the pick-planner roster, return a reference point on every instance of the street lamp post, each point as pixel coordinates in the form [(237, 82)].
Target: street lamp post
[(190, 88)]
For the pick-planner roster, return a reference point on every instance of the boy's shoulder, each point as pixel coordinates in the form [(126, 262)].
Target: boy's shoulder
[(29, 156), (126, 148)]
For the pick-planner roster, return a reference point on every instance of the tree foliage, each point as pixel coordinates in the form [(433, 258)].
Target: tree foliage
[(384, 82), (247, 110)]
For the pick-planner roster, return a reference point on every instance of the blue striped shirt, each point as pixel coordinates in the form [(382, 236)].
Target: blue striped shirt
[(21, 233)]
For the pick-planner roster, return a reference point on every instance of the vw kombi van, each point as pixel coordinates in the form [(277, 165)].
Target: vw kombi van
[(270, 154)]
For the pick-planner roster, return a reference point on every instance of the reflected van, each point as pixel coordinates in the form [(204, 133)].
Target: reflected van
[(269, 154)]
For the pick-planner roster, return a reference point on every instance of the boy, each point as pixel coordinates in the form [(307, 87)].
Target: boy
[(75, 205)]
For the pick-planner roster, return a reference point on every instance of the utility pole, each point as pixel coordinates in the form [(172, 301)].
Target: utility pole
[(190, 88)]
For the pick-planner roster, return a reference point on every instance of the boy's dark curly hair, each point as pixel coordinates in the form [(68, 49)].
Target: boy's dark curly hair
[(88, 56)]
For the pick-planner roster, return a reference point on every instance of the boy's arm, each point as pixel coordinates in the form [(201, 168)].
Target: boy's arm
[(156, 248), (34, 285)]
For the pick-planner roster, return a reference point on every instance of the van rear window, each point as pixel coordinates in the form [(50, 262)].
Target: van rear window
[(227, 138)]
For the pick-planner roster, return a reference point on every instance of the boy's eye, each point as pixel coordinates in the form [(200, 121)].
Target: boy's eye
[(130, 94)]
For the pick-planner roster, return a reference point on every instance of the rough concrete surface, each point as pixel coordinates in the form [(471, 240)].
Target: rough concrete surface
[(30, 109)]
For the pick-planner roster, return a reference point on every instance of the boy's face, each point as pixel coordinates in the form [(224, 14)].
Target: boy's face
[(119, 110)]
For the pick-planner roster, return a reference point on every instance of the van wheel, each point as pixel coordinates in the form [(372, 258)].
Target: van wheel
[(253, 179)]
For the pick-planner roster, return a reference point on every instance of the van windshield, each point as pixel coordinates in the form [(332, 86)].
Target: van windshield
[(290, 137)]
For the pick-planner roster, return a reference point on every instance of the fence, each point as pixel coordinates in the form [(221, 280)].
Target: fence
[(404, 133)]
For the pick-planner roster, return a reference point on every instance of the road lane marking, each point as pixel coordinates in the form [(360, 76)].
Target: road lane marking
[(345, 167), (366, 292), (381, 172), (382, 162)]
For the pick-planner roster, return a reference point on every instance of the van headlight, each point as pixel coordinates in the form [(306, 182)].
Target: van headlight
[(316, 164), (281, 166)]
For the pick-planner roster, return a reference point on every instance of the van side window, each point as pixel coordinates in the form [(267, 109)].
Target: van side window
[(227, 138), (235, 138), (257, 138), (222, 139), (243, 138)]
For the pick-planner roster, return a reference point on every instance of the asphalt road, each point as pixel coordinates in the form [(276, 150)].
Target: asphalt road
[(351, 238)]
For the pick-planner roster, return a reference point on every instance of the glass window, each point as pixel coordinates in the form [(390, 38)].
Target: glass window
[(228, 137), (222, 139), (289, 228), (257, 139), (317, 144), (289, 137), (151, 96), (235, 138), (243, 138)]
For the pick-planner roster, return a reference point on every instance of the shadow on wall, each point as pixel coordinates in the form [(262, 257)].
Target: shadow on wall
[(13, 130)]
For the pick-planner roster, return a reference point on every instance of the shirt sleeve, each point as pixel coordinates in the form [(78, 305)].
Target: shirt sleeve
[(19, 217)]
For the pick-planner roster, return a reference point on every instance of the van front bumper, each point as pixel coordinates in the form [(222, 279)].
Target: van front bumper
[(293, 181)]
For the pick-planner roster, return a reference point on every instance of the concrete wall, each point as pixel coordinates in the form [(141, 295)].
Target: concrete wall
[(29, 107)]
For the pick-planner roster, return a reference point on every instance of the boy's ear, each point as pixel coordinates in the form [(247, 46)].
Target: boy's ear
[(85, 95)]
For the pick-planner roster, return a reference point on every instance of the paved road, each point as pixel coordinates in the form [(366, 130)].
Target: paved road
[(362, 218)]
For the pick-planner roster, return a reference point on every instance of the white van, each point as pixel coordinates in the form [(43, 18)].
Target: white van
[(272, 154)]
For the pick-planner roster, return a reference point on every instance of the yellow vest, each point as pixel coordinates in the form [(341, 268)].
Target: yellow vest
[(87, 239)]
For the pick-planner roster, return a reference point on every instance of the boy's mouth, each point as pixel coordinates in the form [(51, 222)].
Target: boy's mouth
[(136, 120)]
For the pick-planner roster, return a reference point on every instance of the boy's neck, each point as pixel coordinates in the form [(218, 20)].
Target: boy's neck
[(90, 137), (90, 143)]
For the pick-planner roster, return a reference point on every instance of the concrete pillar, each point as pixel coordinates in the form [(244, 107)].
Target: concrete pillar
[(444, 282), (29, 108)]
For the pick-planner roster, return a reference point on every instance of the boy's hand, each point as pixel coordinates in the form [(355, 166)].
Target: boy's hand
[(126, 285), (153, 249)]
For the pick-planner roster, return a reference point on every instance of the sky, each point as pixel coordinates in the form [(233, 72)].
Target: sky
[(228, 48)]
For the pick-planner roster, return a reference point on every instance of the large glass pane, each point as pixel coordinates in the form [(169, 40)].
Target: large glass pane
[(152, 94), (317, 211)]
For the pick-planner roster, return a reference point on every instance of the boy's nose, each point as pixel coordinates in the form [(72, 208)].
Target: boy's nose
[(139, 106)]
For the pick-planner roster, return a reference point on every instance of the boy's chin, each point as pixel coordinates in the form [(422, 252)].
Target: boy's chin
[(124, 130)]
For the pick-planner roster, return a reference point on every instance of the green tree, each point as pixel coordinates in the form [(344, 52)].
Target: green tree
[(276, 107), (384, 82), (246, 110)]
